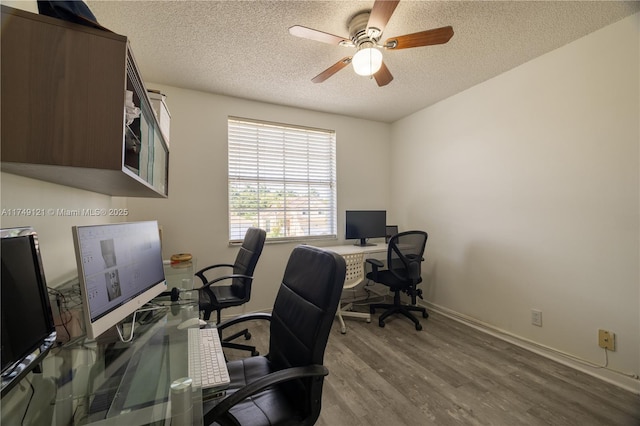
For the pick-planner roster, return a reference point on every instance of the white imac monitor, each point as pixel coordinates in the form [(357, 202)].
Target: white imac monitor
[(119, 268)]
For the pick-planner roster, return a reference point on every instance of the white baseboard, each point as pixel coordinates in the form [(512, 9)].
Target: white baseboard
[(618, 379)]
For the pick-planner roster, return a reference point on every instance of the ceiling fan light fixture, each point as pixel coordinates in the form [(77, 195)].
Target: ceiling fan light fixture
[(367, 61)]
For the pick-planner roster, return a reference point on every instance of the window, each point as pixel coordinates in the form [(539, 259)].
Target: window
[(282, 179)]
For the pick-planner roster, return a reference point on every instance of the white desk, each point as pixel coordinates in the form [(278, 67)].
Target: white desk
[(351, 253), (368, 251), (355, 258)]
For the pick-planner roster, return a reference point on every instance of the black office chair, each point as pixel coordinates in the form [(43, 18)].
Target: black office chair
[(218, 297), (285, 387), (404, 257), (391, 230)]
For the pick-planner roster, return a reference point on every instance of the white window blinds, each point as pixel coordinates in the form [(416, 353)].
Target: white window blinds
[(281, 179)]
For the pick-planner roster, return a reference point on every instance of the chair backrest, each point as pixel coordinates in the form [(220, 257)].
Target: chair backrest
[(405, 255), (355, 269), (302, 317), (246, 261), (391, 230)]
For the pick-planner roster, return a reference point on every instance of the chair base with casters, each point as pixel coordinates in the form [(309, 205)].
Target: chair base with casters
[(354, 276), (403, 274), (398, 308), (228, 341)]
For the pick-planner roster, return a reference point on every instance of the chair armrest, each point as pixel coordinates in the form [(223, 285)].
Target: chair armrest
[(243, 318), (262, 383), (226, 277), (200, 273), (375, 263)]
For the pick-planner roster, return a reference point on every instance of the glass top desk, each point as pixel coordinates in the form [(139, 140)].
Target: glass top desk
[(180, 274), (108, 382)]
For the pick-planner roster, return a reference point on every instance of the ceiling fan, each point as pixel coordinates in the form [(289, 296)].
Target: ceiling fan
[(365, 30)]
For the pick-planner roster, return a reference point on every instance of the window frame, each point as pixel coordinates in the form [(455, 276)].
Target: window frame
[(294, 140)]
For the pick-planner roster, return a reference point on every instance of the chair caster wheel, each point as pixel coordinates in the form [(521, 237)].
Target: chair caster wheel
[(381, 323), (247, 336), (418, 327), (255, 353), (425, 315), (368, 320)]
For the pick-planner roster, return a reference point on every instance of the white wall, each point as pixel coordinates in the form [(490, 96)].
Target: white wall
[(31, 202), (528, 185), (28, 5), (194, 217)]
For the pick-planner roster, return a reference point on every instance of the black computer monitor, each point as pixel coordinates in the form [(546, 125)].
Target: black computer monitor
[(119, 268), (365, 224), (28, 330)]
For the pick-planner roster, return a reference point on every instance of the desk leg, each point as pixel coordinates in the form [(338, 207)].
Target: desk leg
[(181, 403)]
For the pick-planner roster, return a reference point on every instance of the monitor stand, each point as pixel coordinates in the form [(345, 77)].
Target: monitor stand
[(120, 325), (363, 243)]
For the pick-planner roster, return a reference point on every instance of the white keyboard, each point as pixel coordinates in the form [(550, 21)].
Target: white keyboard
[(211, 372)]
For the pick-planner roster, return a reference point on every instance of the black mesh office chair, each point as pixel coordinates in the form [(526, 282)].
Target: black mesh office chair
[(391, 230), (238, 291), (404, 257), (285, 387)]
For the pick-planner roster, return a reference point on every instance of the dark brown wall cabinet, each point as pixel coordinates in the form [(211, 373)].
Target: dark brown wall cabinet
[(64, 115)]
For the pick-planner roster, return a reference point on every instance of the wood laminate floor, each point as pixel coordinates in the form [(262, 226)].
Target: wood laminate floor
[(452, 374)]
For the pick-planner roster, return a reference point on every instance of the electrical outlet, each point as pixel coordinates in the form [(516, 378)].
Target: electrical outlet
[(536, 317), (607, 339)]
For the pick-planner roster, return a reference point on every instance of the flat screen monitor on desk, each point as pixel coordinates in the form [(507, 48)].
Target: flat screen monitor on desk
[(119, 269), (28, 331), (365, 224)]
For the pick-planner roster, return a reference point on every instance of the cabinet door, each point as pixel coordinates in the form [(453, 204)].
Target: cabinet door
[(160, 162), (63, 89), (61, 99), (146, 153)]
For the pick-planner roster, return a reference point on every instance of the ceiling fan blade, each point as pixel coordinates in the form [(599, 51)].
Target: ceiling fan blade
[(311, 34), (332, 70), (380, 15), (383, 76), (422, 38)]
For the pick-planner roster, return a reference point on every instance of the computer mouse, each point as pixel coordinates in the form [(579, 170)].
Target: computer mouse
[(192, 322)]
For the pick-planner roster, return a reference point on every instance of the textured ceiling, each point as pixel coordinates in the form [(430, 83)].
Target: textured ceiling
[(244, 49)]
